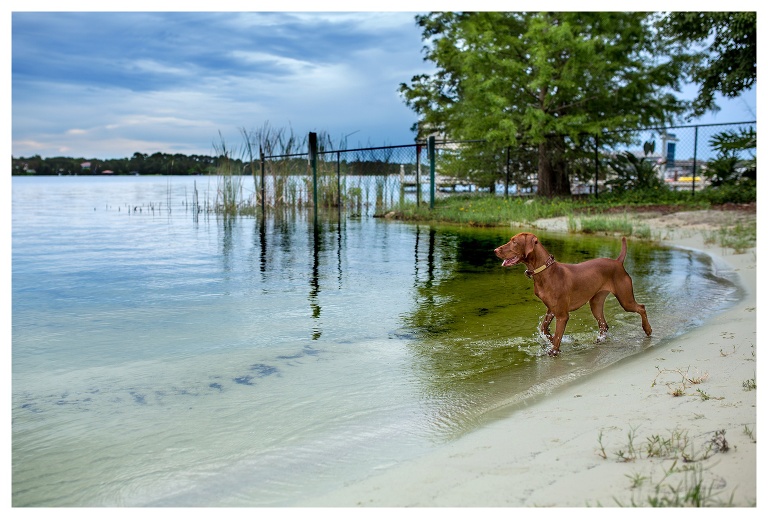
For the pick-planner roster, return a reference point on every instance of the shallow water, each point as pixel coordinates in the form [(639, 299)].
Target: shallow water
[(162, 361)]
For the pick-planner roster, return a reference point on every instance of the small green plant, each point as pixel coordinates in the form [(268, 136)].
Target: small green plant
[(750, 434), (670, 447), (749, 385), (636, 480), (678, 391), (601, 450), (631, 452), (686, 380), (718, 442)]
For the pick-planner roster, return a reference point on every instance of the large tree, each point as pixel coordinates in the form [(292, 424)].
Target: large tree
[(544, 81)]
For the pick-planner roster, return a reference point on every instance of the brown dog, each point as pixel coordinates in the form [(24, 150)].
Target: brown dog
[(566, 287)]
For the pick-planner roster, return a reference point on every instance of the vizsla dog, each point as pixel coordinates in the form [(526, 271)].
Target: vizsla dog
[(567, 287)]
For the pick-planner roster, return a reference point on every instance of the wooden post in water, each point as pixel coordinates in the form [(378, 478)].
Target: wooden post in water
[(313, 165)]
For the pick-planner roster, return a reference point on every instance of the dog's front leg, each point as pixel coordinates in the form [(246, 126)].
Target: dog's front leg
[(561, 321), (544, 328)]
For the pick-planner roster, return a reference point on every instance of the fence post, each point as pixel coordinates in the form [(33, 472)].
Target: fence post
[(313, 165), (506, 183), (431, 153), (695, 146), (597, 164), (418, 174), (338, 181), (263, 194)]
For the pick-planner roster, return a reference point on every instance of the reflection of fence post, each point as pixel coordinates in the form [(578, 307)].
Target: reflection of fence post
[(263, 193), (313, 165), (431, 153)]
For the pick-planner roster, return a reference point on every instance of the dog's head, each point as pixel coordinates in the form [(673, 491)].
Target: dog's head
[(517, 249)]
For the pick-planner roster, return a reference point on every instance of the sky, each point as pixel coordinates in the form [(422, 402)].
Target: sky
[(109, 84)]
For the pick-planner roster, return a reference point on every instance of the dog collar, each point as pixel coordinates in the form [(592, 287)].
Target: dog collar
[(549, 262)]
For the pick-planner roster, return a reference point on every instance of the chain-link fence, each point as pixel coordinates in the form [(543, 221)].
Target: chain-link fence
[(373, 181), (682, 155)]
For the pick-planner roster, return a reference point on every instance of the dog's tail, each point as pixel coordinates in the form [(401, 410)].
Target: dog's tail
[(623, 254)]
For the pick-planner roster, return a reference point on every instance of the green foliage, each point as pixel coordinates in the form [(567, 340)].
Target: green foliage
[(744, 192), (544, 82), (723, 170), (727, 60), (632, 172), (651, 196), (729, 167)]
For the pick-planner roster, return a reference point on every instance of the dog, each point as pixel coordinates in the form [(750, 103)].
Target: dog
[(564, 287)]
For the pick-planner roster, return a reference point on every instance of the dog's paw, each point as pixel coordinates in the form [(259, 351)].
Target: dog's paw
[(553, 352)]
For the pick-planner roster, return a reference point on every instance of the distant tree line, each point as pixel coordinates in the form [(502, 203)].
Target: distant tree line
[(138, 164)]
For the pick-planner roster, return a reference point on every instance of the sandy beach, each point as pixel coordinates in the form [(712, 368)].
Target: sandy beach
[(677, 420)]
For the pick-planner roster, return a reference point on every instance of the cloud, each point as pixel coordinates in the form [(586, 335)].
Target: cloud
[(96, 83)]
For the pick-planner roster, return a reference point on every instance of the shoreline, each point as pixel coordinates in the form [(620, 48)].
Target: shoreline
[(618, 438)]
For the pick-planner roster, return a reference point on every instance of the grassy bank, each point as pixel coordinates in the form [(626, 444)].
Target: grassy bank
[(485, 210), (610, 214)]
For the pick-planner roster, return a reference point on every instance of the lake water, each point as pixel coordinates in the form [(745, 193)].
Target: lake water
[(160, 360)]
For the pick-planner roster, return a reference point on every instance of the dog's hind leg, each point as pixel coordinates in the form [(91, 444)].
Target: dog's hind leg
[(626, 298), (597, 305)]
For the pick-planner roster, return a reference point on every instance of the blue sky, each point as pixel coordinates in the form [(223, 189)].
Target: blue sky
[(106, 85)]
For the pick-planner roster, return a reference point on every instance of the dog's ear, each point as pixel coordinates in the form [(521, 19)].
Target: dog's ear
[(530, 242)]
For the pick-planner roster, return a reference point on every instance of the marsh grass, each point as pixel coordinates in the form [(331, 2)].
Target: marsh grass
[(229, 182), (486, 211), (739, 236), (607, 224)]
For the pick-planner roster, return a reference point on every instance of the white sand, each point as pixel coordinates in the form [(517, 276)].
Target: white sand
[(549, 454)]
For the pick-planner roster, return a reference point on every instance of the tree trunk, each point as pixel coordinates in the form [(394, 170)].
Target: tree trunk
[(553, 170)]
